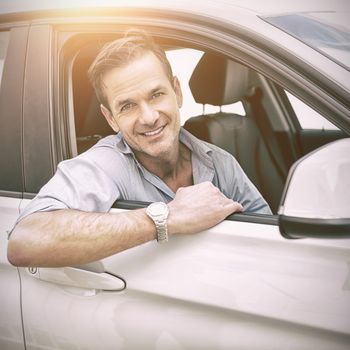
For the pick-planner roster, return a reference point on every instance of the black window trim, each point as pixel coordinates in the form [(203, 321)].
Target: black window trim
[(132, 205), (242, 217)]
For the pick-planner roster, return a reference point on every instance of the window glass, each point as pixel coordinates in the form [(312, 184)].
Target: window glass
[(309, 118), (4, 39), (183, 62), (326, 31)]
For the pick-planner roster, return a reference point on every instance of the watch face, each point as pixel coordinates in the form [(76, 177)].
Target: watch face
[(158, 208)]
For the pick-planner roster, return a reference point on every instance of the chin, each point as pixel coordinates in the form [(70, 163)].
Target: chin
[(159, 152)]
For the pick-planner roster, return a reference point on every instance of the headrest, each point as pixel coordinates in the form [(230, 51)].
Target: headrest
[(218, 81)]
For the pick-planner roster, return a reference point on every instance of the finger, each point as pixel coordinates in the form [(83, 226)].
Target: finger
[(239, 206), (235, 206)]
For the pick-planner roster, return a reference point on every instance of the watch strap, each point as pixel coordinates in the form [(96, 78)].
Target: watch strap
[(162, 230)]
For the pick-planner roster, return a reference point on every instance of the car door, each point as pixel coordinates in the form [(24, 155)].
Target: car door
[(237, 285)]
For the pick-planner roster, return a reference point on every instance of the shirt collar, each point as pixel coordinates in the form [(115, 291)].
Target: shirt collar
[(196, 146), (121, 145), (202, 162)]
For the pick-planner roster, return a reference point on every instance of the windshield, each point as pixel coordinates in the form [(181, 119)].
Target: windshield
[(326, 32)]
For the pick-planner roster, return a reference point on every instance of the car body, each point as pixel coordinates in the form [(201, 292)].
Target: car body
[(241, 284)]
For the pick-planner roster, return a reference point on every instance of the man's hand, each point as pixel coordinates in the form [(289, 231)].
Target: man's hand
[(199, 207)]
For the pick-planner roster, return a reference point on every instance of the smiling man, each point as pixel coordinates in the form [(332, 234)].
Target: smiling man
[(193, 185), (143, 103)]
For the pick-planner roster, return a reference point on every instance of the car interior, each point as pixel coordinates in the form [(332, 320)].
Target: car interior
[(217, 81), (264, 153)]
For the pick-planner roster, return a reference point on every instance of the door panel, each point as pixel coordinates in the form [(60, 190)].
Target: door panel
[(236, 285)]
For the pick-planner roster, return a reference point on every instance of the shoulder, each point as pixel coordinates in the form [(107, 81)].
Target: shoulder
[(105, 156), (105, 150), (108, 143)]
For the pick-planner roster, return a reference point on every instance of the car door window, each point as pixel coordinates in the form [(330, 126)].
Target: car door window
[(11, 85), (183, 62), (4, 39), (229, 124), (312, 129), (308, 118)]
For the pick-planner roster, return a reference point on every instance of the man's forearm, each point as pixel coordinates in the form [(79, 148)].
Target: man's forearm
[(72, 237)]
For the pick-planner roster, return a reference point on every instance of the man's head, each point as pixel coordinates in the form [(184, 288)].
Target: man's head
[(139, 95), (122, 52)]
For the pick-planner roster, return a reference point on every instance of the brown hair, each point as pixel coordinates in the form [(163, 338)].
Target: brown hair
[(121, 52)]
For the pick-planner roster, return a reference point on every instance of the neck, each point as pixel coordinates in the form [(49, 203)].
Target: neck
[(175, 170)]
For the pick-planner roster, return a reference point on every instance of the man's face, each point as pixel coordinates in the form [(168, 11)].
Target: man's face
[(144, 106)]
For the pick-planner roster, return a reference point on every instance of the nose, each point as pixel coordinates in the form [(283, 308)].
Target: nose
[(148, 114)]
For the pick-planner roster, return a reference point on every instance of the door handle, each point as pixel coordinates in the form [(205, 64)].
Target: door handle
[(75, 277)]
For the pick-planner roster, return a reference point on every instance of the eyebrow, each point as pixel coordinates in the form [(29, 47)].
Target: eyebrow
[(157, 88), (120, 103)]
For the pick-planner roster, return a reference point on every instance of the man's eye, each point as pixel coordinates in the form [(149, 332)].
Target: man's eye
[(126, 107), (157, 94)]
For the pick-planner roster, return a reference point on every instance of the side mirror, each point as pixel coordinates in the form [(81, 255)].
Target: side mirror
[(316, 198)]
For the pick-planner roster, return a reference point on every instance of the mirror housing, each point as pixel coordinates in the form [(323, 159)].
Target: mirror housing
[(316, 198)]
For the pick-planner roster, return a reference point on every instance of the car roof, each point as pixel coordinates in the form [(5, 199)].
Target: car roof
[(208, 7)]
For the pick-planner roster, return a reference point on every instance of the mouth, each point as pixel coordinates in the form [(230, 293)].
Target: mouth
[(154, 132)]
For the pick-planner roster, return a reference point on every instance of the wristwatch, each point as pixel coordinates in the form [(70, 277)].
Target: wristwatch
[(159, 212)]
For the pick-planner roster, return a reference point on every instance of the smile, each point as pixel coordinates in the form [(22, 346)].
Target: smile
[(154, 132)]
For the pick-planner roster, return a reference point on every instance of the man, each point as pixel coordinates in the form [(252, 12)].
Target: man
[(151, 158)]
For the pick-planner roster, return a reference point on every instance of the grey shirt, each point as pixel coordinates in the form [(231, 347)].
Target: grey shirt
[(109, 171)]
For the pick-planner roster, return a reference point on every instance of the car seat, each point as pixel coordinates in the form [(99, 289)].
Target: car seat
[(219, 81), (90, 124)]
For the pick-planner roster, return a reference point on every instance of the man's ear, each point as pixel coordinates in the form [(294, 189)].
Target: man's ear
[(178, 92), (109, 117)]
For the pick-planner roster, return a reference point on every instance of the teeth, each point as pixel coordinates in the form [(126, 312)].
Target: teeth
[(155, 132)]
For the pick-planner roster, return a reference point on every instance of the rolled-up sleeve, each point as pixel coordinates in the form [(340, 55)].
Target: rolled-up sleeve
[(77, 184)]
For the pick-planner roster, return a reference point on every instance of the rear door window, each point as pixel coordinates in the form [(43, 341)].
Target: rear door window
[(308, 118), (4, 39)]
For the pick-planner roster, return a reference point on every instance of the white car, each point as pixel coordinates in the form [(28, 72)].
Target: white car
[(274, 81)]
